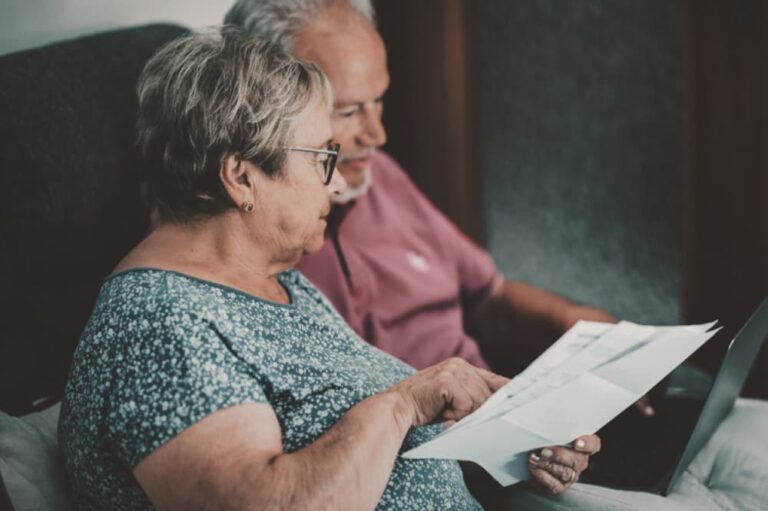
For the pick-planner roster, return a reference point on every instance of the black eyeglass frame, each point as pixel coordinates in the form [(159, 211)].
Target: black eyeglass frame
[(329, 164)]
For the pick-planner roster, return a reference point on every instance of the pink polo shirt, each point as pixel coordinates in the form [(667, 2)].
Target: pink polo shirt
[(397, 270)]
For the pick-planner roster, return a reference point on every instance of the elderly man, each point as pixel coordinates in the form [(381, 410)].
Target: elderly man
[(397, 270), (409, 282), (402, 275)]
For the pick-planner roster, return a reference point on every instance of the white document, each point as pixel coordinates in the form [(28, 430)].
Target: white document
[(585, 379)]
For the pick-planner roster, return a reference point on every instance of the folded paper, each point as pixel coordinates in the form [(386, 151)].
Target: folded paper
[(585, 379)]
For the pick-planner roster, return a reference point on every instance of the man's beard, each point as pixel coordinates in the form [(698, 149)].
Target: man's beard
[(353, 193)]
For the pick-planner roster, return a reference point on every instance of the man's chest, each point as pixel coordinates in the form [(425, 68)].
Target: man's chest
[(387, 267)]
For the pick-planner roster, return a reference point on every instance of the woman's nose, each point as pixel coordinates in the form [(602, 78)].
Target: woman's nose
[(338, 184)]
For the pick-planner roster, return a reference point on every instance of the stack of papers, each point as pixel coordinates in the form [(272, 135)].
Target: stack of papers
[(585, 379)]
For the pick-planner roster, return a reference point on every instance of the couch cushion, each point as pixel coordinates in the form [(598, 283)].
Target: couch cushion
[(30, 463), (70, 205), (731, 470), (730, 473)]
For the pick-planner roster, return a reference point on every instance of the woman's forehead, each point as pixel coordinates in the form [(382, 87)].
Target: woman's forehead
[(313, 127)]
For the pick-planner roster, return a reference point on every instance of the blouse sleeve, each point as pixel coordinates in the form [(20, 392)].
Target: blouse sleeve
[(174, 370)]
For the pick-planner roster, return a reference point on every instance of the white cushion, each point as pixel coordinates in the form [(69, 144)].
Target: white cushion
[(731, 470), (30, 462), (730, 473)]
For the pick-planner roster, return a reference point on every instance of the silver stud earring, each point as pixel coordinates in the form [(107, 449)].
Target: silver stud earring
[(247, 206)]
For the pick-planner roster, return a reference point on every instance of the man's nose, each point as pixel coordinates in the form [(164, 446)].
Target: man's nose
[(372, 132)]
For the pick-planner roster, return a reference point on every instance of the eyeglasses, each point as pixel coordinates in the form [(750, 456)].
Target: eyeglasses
[(329, 164)]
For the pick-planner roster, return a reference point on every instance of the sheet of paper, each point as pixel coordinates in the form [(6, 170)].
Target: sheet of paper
[(583, 334), (566, 397), (557, 367)]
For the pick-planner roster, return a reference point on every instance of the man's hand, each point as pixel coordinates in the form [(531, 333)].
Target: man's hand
[(555, 469)]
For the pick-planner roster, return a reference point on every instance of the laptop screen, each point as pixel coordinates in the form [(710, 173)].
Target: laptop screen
[(727, 386)]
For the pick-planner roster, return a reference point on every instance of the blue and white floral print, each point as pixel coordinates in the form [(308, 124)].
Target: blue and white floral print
[(162, 350)]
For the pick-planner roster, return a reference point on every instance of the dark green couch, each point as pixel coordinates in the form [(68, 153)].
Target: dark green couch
[(69, 210), (70, 205)]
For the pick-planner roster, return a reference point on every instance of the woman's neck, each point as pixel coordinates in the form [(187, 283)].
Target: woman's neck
[(215, 249)]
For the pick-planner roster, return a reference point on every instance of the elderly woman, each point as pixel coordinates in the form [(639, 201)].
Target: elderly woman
[(213, 376)]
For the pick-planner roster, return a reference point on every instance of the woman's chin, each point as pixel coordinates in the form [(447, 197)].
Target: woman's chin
[(315, 244)]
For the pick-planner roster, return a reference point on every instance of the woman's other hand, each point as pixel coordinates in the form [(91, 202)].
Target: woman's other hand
[(447, 391), (555, 469)]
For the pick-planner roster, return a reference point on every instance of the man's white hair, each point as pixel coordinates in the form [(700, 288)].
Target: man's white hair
[(278, 21)]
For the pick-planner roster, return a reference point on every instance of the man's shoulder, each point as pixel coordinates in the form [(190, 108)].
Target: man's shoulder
[(386, 168), (391, 179)]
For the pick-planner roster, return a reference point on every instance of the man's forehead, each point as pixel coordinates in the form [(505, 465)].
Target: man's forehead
[(353, 58)]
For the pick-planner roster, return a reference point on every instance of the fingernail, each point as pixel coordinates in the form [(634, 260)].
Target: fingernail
[(534, 457), (546, 453), (580, 444)]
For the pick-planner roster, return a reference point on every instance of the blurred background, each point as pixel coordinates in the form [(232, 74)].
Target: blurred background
[(611, 151), (614, 152)]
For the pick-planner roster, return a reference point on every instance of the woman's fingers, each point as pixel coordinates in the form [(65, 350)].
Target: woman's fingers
[(493, 380), (475, 386), (563, 456), (565, 470), (564, 463), (547, 481), (589, 444), (468, 389), (448, 391), (457, 402), (465, 398)]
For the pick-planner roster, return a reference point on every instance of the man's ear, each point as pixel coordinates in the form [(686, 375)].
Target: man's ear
[(237, 178)]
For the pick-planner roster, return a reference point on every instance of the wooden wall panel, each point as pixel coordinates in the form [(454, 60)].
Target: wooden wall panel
[(427, 111), (726, 224)]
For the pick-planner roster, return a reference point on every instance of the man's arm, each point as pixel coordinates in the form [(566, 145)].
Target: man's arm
[(517, 322)]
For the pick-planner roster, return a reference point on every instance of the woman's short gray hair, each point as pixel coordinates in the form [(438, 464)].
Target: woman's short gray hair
[(278, 21), (206, 96)]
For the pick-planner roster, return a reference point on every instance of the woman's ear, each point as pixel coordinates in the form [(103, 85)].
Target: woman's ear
[(237, 178)]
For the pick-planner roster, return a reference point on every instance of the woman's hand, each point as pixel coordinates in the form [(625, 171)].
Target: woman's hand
[(555, 469), (447, 391)]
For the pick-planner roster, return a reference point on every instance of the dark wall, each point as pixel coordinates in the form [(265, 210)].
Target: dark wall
[(579, 109), (726, 194), (428, 108), (620, 146)]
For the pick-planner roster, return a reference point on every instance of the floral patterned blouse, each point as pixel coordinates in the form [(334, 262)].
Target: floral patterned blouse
[(162, 350)]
